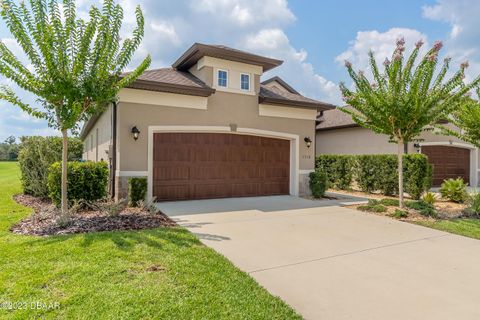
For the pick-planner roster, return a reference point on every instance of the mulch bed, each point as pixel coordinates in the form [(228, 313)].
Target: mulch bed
[(445, 209), (43, 221)]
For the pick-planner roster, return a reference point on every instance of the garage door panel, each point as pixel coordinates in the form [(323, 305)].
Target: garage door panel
[(212, 165), (171, 191), (213, 190), (448, 163), (169, 173)]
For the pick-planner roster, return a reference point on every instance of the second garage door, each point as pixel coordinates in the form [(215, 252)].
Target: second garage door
[(214, 165), (448, 162)]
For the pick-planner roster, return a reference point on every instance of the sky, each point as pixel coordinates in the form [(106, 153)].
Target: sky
[(314, 38)]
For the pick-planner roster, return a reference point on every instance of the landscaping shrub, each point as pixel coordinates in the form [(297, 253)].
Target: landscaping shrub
[(339, 170), (137, 191), (474, 204), (418, 175), (429, 198), (318, 183), (378, 172), (390, 202), (86, 181), (373, 208), (366, 172), (399, 214), (35, 157), (454, 190), (422, 207)]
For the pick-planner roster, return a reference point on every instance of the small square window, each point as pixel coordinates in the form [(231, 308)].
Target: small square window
[(245, 82), (222, 78)]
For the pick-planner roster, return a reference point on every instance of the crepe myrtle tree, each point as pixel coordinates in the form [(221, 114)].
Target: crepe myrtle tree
[(407, 97), (466, 120), (74, 65)]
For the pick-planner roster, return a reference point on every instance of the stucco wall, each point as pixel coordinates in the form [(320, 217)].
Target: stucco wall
[(363, 141), (99, 139), (352, 141), (223, 109), (359, 140)]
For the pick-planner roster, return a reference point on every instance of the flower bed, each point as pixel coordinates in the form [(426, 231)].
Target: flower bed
[(44, 220)]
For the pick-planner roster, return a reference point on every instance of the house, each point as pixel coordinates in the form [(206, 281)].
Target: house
[(337, 133), (208, 128)]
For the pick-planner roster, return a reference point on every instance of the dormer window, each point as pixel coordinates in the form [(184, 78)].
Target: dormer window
[(245, 81), (222, 78)]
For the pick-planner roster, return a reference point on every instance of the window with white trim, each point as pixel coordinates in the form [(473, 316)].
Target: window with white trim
[(245, 81), (222, 78)]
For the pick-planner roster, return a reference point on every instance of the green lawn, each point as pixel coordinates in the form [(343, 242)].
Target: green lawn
[(465, 227), (105, 275)]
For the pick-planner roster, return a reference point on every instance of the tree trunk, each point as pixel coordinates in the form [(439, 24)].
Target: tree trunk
[(64, 173), (400, 172)]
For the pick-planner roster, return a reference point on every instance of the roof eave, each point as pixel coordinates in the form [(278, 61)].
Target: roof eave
[(301, 104), (171, 88), (189, 58), (344, 126)]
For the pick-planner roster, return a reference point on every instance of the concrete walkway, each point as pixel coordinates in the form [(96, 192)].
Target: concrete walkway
[(330, 262)]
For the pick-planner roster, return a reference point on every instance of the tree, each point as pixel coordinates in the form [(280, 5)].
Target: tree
[(9, 149), (76, 64), (10, 140), (466, 120), (407, 97)]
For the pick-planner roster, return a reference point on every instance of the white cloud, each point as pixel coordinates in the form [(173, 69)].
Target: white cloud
[(381, 43), (464, 35), (171, 26), (295, 70), (166, 31)]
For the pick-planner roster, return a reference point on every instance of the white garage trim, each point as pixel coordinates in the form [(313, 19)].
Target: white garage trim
[(294, 147), (119, 173), (473, 156)]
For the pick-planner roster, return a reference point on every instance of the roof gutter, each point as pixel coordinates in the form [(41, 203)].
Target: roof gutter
[(292, 103)]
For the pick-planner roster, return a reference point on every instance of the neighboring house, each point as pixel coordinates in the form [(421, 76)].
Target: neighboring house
[(207, 128), (337, 133)]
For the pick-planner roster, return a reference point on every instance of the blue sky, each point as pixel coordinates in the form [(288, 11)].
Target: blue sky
[(312, 37)]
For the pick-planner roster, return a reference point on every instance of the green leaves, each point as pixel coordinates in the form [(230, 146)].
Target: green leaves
[(406, 97), (466, 119), (76, 65)]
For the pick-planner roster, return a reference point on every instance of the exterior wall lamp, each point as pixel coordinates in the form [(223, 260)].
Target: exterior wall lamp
[(417, 147), (135, 133), (308, 141)]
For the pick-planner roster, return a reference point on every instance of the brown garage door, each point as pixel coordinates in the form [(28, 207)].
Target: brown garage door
[(214, 165), (448, 162)]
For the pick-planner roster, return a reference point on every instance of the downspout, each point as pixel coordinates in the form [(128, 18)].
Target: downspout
[(114, 149)]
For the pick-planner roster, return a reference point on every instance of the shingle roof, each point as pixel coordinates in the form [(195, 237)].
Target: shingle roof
[(277, 96), (334, 119), (199, 50), (171, 80)]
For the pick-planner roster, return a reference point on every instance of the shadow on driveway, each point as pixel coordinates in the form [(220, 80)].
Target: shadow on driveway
[(264, 204)]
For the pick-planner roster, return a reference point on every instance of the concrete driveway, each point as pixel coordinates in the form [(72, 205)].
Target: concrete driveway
[(330, 262)]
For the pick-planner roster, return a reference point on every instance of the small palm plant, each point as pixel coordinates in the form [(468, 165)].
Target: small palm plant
[(407, 97)]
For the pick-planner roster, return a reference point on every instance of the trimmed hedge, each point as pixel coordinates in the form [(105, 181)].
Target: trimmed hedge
[(377, 173), (137, 190), (35, 157), (338, 169), (86, 181), (318, 183)]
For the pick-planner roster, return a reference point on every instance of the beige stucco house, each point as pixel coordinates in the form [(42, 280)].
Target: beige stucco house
[(337, 133), (208, 128)]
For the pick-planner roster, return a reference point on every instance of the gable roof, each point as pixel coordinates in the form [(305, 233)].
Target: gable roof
[(173, 81), (281, 82), (287, 96), (335, 119), (199, 50)]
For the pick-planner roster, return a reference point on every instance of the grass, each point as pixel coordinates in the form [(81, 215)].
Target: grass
[(465, 227), (109, 275)]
